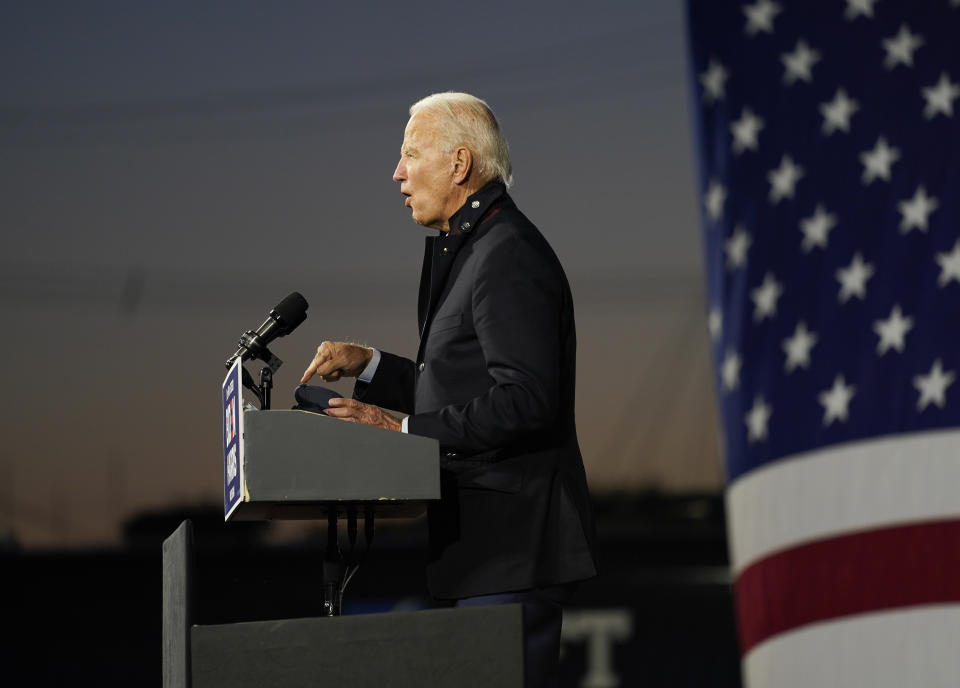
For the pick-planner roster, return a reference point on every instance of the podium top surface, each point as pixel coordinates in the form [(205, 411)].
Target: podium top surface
[(467, 648)]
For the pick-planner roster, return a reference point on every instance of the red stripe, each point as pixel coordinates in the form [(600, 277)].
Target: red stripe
[(851, 574)]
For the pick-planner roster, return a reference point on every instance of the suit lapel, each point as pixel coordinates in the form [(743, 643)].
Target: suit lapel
[(423, 300), (438, 257)]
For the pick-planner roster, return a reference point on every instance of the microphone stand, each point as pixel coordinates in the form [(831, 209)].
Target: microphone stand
[(261, 391), (266, 384), (332, 567), (337, 572)]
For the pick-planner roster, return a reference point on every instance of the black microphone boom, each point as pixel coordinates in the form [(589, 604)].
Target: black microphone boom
[(284, 318)]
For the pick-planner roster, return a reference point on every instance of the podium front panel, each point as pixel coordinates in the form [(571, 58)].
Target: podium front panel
[(298, 464)]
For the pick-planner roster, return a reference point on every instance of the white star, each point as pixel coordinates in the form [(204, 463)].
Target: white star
[(940, 97), (714, 200), (916, 211), (900, 47), (714, 81), (933, 387), (816, 228), (949, 265), (837, 112), (877, 162), (784, 179), (799, 63), (715, 323), (798, 347), (760, 16), (859, 8), (853, 279), (736, 247), (765, 297), (730, 370), (756, 420), (892, 331), (745, 131), (836, 401)]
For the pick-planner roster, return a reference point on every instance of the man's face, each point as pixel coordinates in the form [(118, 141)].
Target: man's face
[(425, 174)]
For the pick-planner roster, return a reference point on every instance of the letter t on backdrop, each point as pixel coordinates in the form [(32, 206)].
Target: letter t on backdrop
[(828, 142)]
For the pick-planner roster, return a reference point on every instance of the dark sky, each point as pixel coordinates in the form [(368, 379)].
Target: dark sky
[(170, 170)]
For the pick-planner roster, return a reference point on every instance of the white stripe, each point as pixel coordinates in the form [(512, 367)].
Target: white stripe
[(857, 486), (915, 647)]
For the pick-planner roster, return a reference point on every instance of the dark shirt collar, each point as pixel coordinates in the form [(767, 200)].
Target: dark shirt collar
[(476, 206)]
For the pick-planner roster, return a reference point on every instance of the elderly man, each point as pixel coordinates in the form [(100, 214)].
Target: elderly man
[(493, 381)]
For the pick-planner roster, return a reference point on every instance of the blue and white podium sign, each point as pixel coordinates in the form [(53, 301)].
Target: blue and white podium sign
[(232, 446)]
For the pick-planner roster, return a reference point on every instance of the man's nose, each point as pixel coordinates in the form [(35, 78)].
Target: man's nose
[(400, 173)]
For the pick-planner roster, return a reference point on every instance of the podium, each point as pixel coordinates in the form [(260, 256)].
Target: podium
[(302, 465), (298, 465)]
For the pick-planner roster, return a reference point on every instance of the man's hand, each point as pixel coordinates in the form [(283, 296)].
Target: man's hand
[(338, 359), (358, 412)]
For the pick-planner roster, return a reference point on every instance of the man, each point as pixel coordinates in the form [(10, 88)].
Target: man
[(493, 381)]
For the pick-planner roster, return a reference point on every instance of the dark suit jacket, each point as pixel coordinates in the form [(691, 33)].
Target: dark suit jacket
[(494, 383)]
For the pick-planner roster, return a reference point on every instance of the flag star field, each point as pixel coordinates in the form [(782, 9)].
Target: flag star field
[(831, 195)]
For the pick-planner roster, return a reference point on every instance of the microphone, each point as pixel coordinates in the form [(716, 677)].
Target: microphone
[(284, 318)]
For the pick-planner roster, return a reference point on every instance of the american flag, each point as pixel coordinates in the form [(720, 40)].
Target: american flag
[(828, 138)]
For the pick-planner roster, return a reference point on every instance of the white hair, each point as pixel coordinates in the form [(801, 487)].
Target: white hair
[(465, 120)]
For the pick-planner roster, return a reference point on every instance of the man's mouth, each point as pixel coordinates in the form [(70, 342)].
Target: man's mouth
[(406, 200)]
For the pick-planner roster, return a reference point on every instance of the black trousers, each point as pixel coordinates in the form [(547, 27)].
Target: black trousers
[(542, 618)]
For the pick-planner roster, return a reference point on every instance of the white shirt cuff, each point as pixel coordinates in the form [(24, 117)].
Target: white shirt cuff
[(371, 369), (403, 425)]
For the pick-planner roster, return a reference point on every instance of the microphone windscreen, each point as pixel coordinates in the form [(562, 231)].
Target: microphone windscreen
[(291, 312)]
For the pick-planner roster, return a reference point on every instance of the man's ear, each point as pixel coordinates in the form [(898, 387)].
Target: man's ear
[(462, 165)]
